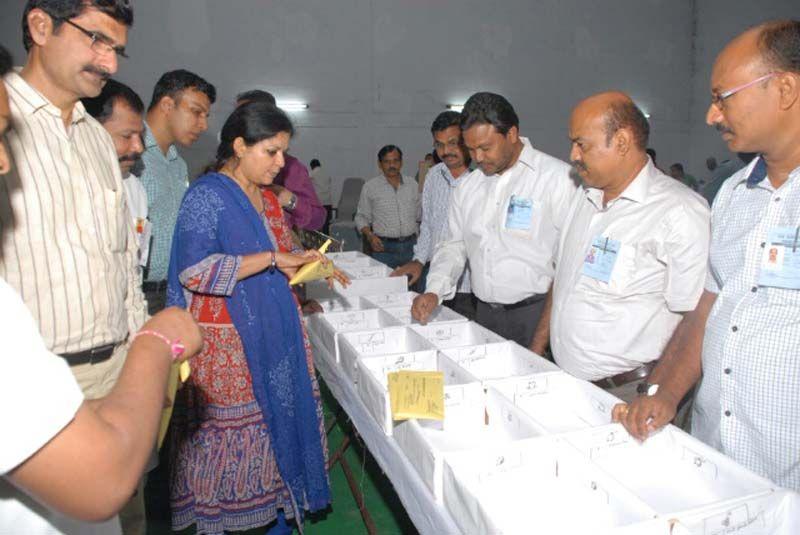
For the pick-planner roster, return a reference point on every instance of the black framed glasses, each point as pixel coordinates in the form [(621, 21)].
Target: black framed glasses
[(100, 43)]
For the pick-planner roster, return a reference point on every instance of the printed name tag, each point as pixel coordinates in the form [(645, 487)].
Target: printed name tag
[(780, 263), (601, 257), (520, 213)]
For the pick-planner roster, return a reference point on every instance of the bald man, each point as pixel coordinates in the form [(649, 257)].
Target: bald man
[(747, 325), (632, 258)]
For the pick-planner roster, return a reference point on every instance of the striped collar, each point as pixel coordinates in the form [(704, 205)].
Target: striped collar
[(31, 101)]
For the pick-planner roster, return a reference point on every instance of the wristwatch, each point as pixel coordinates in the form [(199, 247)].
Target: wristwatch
[(292, 202), (647, 389)]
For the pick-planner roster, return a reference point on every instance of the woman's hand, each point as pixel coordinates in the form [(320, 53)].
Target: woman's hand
[(340, 276)]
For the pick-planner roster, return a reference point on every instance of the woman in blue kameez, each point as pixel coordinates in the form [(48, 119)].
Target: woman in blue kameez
[(247, 442)]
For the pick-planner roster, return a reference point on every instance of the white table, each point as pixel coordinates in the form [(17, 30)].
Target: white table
[(428, 516)]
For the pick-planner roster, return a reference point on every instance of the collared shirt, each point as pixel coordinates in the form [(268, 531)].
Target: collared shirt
[(308, 212), (436, 195), (165, 179), (392, 213), (507, 263), (748, 403), (322, 185), (68, 246), (599, 329)]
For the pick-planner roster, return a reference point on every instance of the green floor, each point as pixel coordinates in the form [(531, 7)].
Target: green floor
[(343, 518)]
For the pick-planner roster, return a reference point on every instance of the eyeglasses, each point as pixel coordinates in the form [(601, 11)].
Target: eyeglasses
[(100, 43), (718, 99)]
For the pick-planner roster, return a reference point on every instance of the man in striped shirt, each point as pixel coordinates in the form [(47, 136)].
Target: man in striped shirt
[(68, 245)]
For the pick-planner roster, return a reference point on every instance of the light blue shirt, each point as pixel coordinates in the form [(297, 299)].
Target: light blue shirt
[(165, 179), (748, 403), (436, 194)]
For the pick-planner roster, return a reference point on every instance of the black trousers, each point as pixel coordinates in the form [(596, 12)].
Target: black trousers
[(517, 323)]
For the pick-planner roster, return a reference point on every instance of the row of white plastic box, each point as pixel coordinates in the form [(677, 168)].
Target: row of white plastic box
[(484, 461)]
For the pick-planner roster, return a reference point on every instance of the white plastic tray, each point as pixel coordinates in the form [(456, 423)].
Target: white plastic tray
[(372, 381), (376, 271), (395, 341), (328, 327), (559, 402), (440, 315), (392, 299), (671, 471), (319, 289), (339, 303), (498, 360), (535, 486), (446, 335), (472, 418)]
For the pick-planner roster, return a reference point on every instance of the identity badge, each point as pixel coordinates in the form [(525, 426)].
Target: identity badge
[(780, 262), (600, 258), (520, 213)]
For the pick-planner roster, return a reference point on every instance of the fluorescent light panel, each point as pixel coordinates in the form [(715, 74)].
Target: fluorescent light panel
[(292, 105), (455, 107)]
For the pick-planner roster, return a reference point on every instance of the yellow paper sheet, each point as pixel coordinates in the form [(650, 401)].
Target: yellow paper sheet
[(315, 270), (182, 371), (416, 394)]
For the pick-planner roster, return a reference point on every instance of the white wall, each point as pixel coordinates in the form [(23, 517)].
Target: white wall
[(718, 21), (378, 71)]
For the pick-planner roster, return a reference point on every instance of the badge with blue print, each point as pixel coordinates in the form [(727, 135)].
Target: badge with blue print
[(520, 213), (780, 263), (601, 257)]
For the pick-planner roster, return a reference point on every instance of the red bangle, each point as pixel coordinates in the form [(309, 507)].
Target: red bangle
[(176, 347)]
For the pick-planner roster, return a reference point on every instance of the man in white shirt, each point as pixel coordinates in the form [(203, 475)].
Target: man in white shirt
[(121, 112), (632, 256), (437, 194), (388, 210), (322, 186), (505, 219)]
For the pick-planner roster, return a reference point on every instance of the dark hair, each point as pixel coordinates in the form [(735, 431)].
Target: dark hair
[(253, 122), (61, 10), (779, 43), (101, 107), (626, 114), (314, 164), (387, 149), (256, 95), (445, 120), (173, 83), (678, 166), (6, 61), (649, 150), (489, 108)]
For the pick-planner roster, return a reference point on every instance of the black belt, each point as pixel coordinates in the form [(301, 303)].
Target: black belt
[(398, 240), (154, 286), (626, 377), (94, 355), (535, 298)]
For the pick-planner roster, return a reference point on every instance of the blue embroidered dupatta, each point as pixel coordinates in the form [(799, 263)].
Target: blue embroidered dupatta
[(217, 217)]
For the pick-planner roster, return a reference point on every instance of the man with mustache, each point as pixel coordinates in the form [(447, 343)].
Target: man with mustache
[(121, 112), (388, 210), (178, 114), (632, 256), (437, 192), (742, 342), (67, 248), (504, 219)]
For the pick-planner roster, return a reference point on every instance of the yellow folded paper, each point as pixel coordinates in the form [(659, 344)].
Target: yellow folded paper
[(315, 270), (176, 371), (416, 394)]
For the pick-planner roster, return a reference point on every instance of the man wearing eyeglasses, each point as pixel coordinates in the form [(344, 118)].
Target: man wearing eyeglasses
[(743, 338), (68, 248), (178, 115)]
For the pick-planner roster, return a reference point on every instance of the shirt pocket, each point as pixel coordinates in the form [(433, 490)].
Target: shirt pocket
[(114, 217)]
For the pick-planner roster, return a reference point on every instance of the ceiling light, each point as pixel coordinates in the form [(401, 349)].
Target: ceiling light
[(292, 105)]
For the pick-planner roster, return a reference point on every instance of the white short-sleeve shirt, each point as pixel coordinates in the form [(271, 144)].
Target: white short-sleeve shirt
[(599, 329), (38, 398)]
